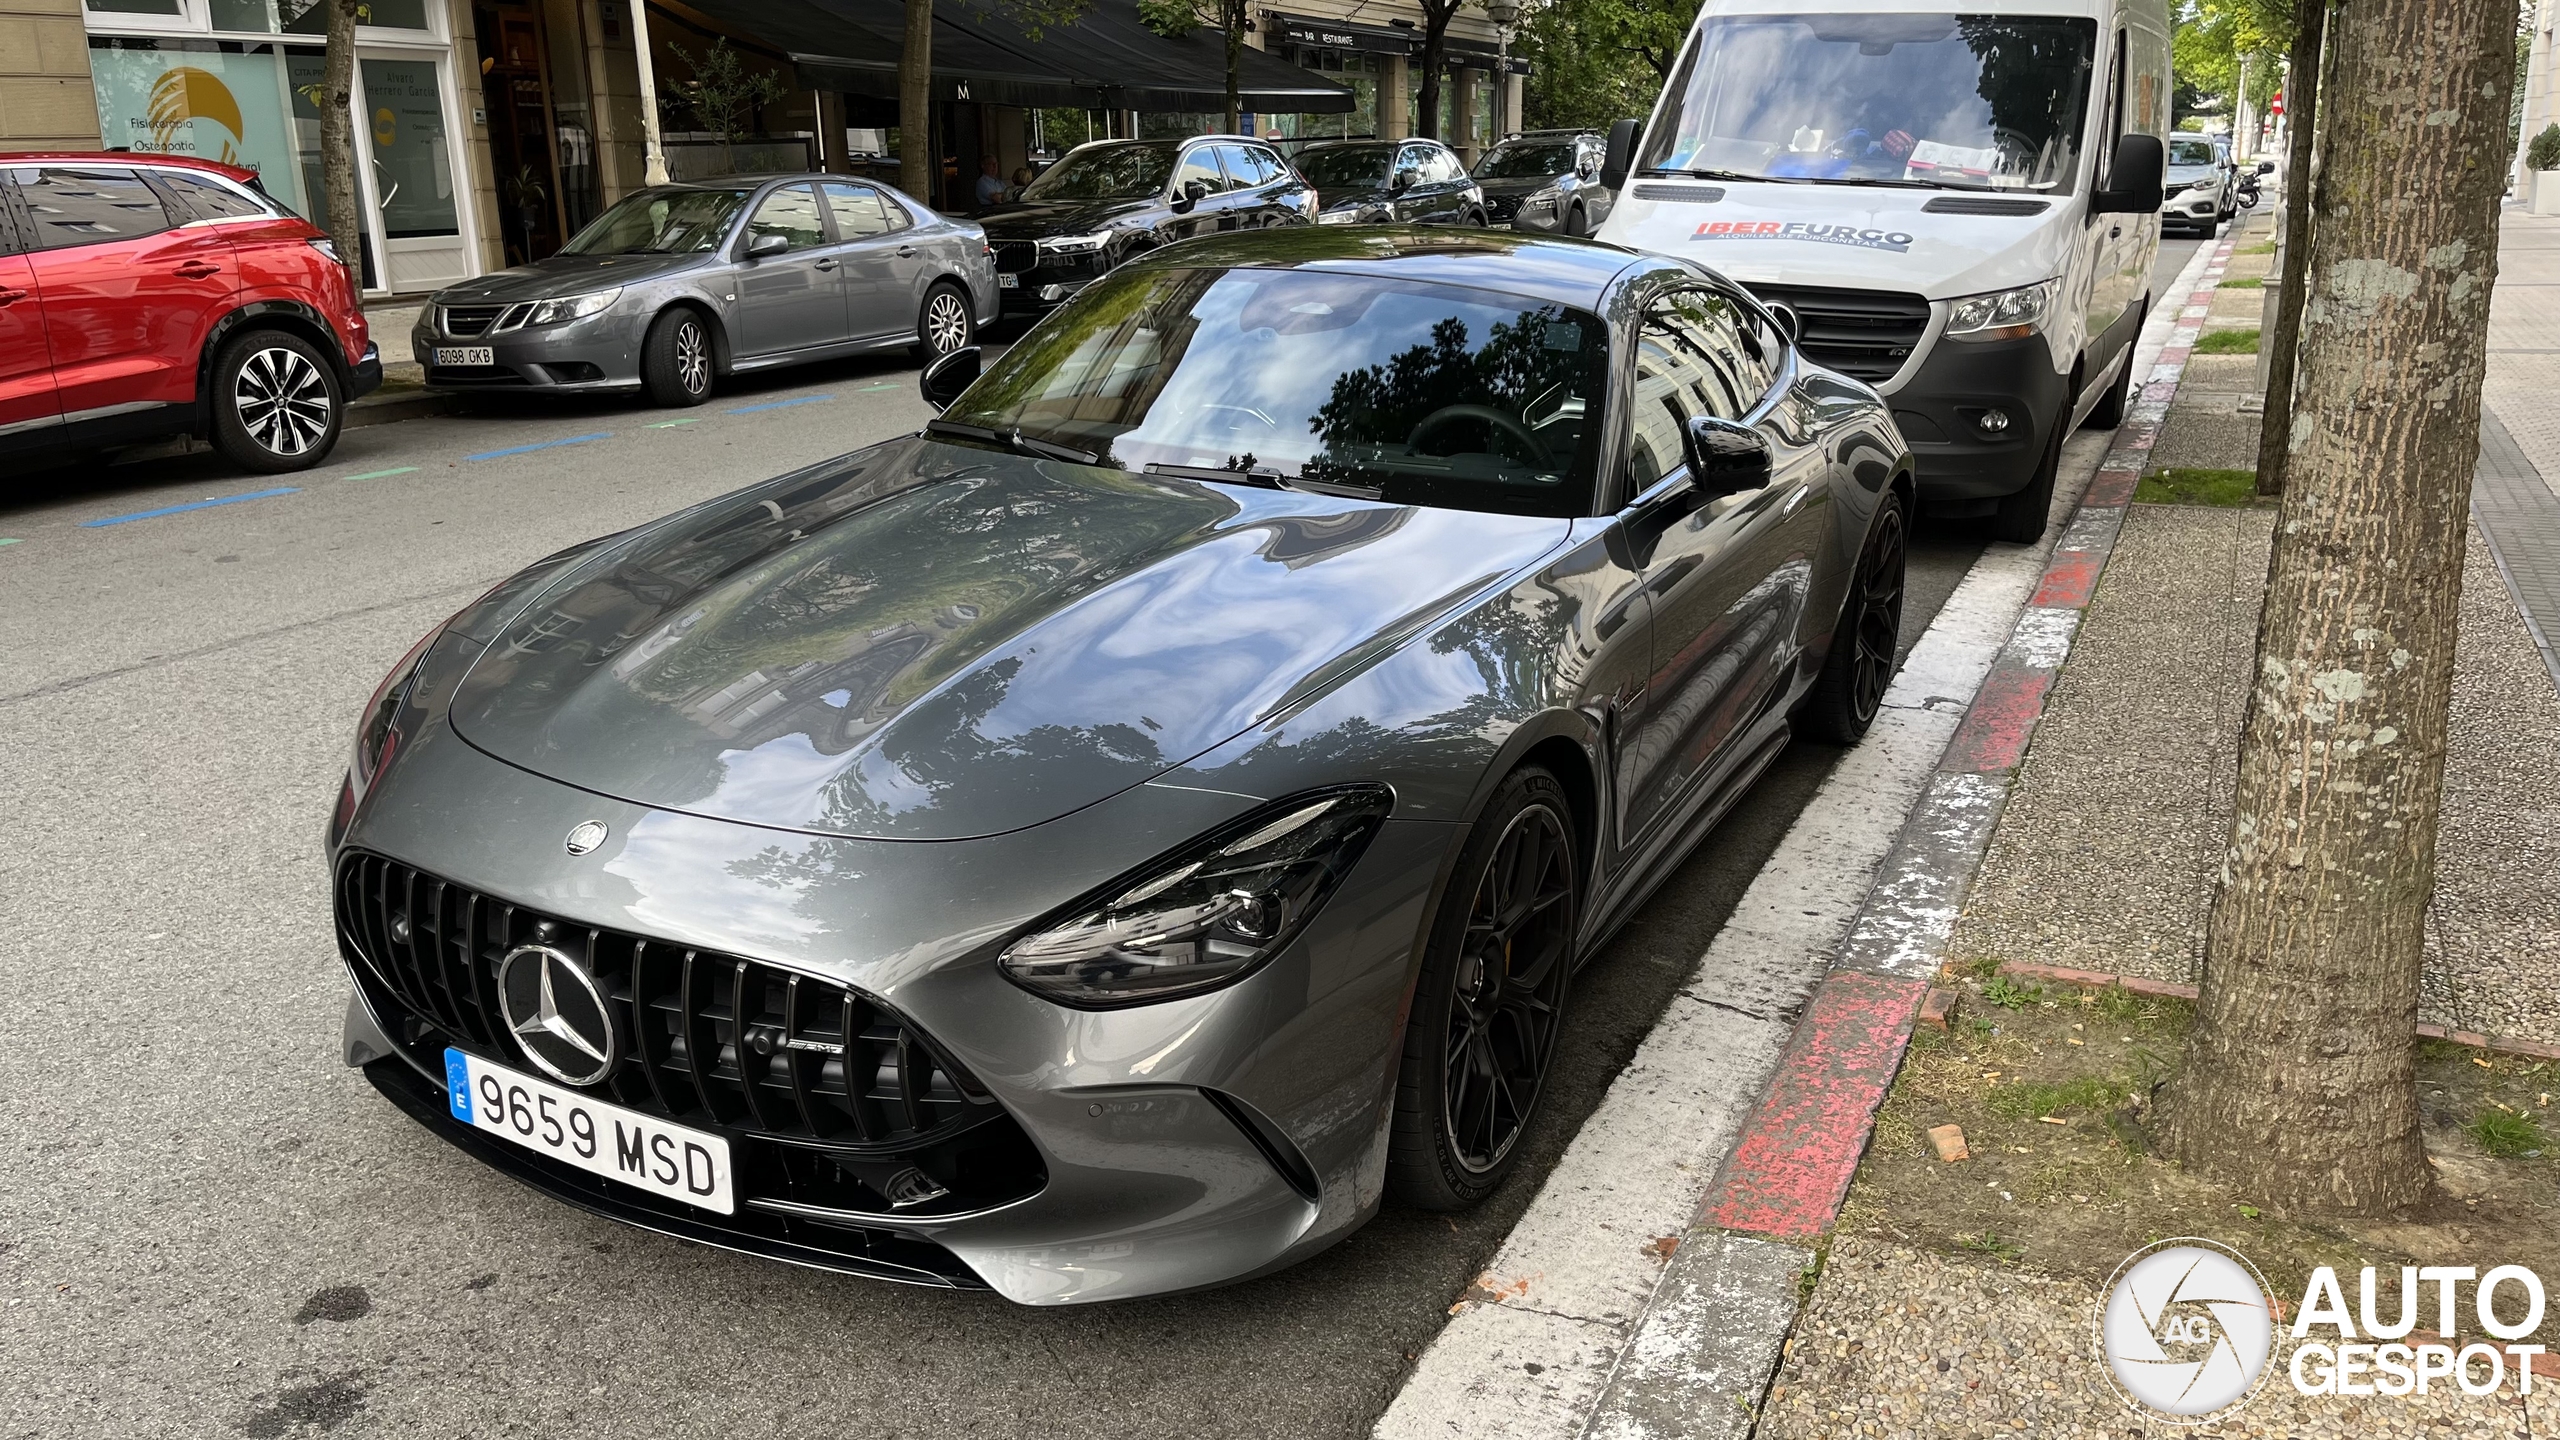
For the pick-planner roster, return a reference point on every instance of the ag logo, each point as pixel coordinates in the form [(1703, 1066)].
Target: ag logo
[(2185, 1329)]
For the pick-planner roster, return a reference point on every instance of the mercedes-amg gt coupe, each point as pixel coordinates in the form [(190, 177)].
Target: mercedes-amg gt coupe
[(1110, 842)]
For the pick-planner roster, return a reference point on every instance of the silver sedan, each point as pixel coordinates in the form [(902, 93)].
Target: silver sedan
[(679, 285)]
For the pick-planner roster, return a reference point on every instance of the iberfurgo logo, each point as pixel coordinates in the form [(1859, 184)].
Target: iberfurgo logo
[(2187, 1331)]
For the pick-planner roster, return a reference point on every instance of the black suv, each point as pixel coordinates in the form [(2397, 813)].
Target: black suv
[(1378, 182), (1108, 200), (1547, 181)]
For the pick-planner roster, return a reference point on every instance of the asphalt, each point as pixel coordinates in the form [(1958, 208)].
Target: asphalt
[(209, 1227)]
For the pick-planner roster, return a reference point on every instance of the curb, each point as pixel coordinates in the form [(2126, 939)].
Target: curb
[(1781, 1185), (380, 408)]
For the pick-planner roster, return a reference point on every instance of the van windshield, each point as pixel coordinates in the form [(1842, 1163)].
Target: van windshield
[(1944, 101)]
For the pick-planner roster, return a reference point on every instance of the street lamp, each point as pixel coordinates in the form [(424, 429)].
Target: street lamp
[(1504, 14)]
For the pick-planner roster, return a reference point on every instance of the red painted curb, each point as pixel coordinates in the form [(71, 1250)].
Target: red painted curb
[(2110, 487), (1993, 735), (2070, 578), (1800, 1149), (2179, 990)]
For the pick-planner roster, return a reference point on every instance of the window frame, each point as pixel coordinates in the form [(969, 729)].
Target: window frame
[(747, 221), (894, 217)]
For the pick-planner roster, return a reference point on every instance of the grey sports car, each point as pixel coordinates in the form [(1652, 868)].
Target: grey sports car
[(1110, 842), (679, 285)]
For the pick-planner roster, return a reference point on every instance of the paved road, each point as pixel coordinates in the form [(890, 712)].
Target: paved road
[(209, 1227)]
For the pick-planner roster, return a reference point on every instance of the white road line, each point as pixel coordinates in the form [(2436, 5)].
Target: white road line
[(1532, 1345)]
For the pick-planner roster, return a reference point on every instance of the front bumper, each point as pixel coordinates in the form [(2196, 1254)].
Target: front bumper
[(1940, 404), (1051, 282), (1153, 1181), (365, 376), (598, 353)]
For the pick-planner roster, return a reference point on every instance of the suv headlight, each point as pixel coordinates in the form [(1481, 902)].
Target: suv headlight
[(1207, 914), (2003, 315), (571, 307), (1541, 199), (1075, 244)]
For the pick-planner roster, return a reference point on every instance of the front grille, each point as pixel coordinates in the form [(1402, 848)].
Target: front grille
[(795, 1069), (1016, 257), (469, 320), (1866, 334), (1501, 207)]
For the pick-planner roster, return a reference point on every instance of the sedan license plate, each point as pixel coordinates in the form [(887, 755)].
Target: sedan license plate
[(642, 1151), (1008, 282), (464, 355)]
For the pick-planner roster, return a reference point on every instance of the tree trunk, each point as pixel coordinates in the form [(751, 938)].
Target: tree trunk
[(1435, 30), (918, 157), (345, 212), (2298, 1086), (2275, 429), (1235, 18)]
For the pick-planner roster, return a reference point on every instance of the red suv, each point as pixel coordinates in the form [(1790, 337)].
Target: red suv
[(146, 296)]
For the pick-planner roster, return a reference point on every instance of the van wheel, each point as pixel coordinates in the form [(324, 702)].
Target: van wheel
[(276, 403), (2021, 517), (675, 361)]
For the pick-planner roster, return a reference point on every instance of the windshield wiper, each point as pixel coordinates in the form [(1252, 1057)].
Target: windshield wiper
[(1263, 476), (1013, 440), (1700, 174)]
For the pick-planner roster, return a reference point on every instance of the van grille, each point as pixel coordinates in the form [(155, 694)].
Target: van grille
[(1865, 334)]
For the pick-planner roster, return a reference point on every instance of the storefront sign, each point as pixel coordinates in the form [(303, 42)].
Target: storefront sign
[(1335, 35)]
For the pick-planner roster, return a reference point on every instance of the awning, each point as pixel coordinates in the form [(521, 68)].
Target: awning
[(1344, 35)]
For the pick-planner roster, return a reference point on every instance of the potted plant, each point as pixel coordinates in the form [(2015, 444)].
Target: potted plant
[(2540, 159)]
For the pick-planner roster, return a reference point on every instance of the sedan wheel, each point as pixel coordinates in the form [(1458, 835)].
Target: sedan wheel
[(1489, 1007), (1845, 698), (675, 359), (275, 403), (947, 325)]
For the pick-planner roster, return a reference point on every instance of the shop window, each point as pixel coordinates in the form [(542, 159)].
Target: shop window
[(135, 7), (241, 104), (412, 164)]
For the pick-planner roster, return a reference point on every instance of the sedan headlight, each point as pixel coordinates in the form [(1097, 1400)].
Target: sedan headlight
[(2003, 315), (1075, 244), (1206, 915), (373, 736), (571, 307)]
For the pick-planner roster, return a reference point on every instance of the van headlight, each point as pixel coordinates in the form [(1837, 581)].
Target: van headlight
[(2002, 315), (1206, 915)]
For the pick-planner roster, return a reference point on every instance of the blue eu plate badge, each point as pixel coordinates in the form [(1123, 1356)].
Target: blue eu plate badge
[(457, 1084)]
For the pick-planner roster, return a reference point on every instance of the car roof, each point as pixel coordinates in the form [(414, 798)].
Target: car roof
[(1375, 144), (1544, 267), (129, 157)]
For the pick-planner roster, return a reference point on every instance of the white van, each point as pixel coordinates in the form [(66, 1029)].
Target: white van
[(1960, 209)]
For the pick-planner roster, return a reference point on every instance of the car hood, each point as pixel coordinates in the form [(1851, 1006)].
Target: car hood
[(2191, 174), (563, 275), (1057, 217), (926, 642)]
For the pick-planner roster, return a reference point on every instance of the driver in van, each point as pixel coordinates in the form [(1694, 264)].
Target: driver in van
[(1861, 154)]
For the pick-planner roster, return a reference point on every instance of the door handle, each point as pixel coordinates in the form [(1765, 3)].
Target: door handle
[(1795, 501), (198, 270), (11, 297), (904, 251), (2114, 230), (826, 265)]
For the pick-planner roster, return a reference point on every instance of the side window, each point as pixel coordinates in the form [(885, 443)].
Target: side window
[(10, 244), (858, 211), (207, 200), (1200, 164), (900, 218), (790, 212), (1413, 162), (1242, 172), (1698, 353), (1450, 168), (89, 206), (1269, 164)]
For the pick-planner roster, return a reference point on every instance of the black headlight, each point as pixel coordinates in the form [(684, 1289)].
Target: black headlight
[(1205, 915), (373, 737)]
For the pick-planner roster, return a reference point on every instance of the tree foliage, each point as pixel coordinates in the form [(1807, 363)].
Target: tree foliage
[(723, 94), (1597, 61), (2212, 37)]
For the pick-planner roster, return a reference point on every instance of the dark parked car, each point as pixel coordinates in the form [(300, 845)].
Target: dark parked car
[(1104, 202), (1547, 181), (678, 285), (1384, 182), (146, 296), (1101, 845)]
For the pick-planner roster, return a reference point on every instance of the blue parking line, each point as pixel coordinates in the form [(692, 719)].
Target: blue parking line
[(193, 505), (777, 404), (540, 445)]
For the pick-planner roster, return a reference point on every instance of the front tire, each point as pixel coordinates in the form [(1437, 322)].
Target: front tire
[(945, 324), (2110, 409), (2021, 517), (276, 403), (1488, 1009), (1576, 224), (675, 360), (1848, 694)]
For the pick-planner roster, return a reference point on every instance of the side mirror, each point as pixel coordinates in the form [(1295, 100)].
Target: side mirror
[(944, 379), (1586, 167), (2134, 178), (2266, 167), (1725, 457), (764, 245), (1400, 181), (1622, 152), (1193, 192)]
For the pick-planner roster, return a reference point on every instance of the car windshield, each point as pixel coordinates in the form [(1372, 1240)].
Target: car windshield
[(1132, 171), (1414, 393), (1518, 162), (2191, 152), (1955, 101), (660, 222), (1347, 165)]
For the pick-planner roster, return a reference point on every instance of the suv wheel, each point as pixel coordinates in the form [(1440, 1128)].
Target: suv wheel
[(675, 361), (276, 403), (946, 324)]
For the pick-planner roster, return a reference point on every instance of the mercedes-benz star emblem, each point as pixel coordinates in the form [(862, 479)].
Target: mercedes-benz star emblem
[(586, 835), (558, 1013)]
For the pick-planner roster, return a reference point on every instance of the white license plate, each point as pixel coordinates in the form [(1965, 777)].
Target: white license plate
[(1008, 282), (464, 355), (642, 1151)]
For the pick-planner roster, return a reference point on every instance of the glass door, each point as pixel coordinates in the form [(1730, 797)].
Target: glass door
[(411, 180)]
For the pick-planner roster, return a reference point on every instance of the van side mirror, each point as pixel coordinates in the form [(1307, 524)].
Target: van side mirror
[(2133, 180), (944, 379), (1725, 456), (764, 245), (1622, 152)]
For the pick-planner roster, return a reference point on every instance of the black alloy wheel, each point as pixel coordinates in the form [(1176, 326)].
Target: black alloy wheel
[(1849, 693), (1488, 1009)]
